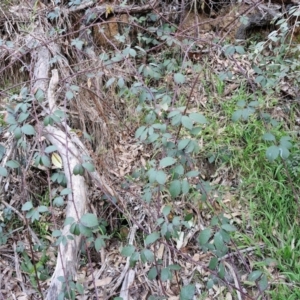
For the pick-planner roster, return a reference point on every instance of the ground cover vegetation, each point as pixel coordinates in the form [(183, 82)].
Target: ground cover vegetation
[(147, 153)]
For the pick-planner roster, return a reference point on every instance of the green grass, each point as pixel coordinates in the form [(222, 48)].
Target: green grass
[(265, 190)]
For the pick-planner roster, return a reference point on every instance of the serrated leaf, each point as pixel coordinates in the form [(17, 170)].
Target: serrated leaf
[(58, 201), (89, 220), (13, 164), (147, 255), (193, 173), (66, 191), (166, 210), (183, 143), (28, 129), (254, 275), (110, 82), (198, 118), (284, 152), (187, 122), (23, 117), (39, 95), (185, 186), (127, 251), (27, 206), (42, 208), (151, 238), (218, 241), (18, 133), (228, 227), (204, 236), (160, 177), (152, 274), (56, 233), (174, 267), (175, 188), (187, 292), (272, 153), (3, 172), (50, 149), (263, 283), (45, 161), (89, 166), (166, 162), (99, 243), (78, 170), (179, 78), (56, 160), (165, 274), (179, 170), (268, 137), (236, 115), (221, 271), (213, 263)]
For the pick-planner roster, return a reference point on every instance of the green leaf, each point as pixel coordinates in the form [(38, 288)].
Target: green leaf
[(183, 143), (284, 152), (99, 243), (147, 256), (166, 210), (89, 220), (18, 133), (254, 275), (58, 201), (263, 283), (285, 141), (56, 233), (27, 206), (89, 166), (187, 292), (175, 188), (39, 95), (28, 129), (174, 267), (167, 161), (272, 153), (204, 236), (228, 227), (50, 149), (45, 161), (42, 208), (165, 274), (213, 263), (210, 283), (3, 172), (179, 170), (65, 191), (236, 115), (179, 78), (221, 271), (240, 49), (187, 122), (152, 273), (161, 177), (23, 117), (78, 170), (218, 241), (193, 173), (268, 137), (198, 118), (185, 186), (13, 164), (127, 251), (110, 82), (151, 238)]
